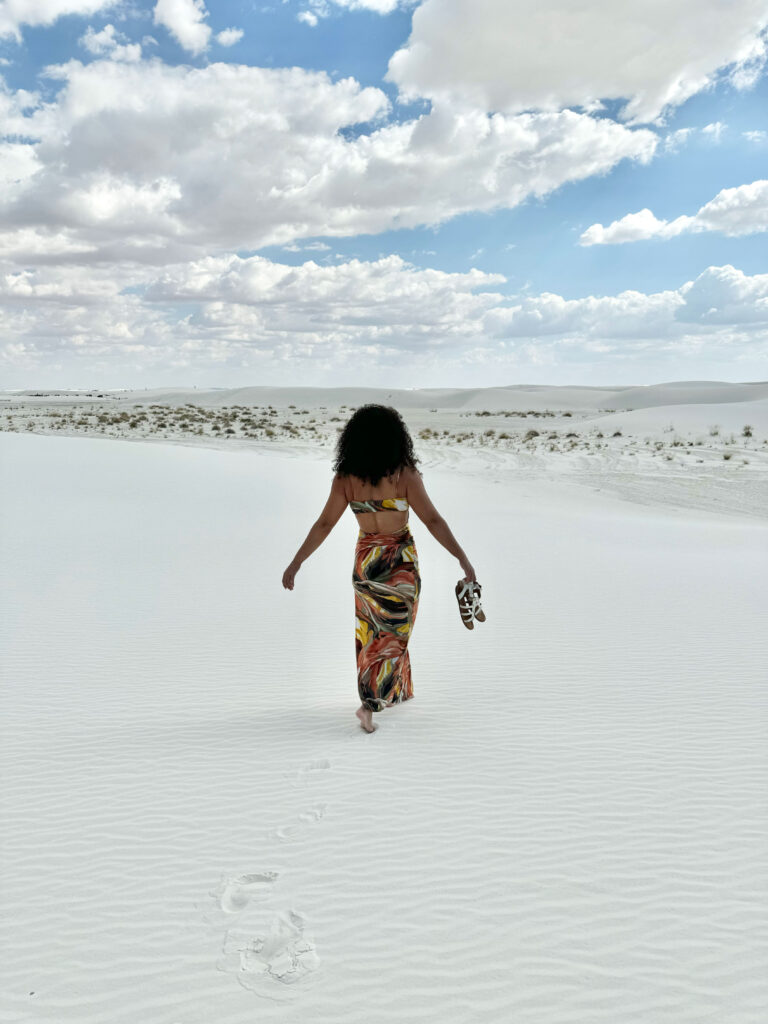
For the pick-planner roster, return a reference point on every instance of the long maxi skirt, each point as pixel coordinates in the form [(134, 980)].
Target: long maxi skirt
[(387, 585)]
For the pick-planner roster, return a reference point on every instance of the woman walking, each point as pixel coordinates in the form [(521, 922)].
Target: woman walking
[(376, 476)]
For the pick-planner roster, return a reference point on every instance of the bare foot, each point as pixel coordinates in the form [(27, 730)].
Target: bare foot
[(366, 715)]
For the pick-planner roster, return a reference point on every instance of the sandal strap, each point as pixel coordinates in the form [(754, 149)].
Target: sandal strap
[(465, 607)]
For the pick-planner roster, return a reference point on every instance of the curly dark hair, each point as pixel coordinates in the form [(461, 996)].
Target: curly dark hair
[(374, 443)]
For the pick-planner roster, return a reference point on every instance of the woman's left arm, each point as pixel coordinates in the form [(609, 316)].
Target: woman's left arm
[(325, 522)]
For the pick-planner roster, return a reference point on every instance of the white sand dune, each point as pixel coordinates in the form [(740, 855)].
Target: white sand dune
[(681, 445), (517, 396), (567, 825), (692, 418)]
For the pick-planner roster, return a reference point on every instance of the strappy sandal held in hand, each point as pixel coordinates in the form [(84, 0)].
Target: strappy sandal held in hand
[(477, 608), (465, 595)]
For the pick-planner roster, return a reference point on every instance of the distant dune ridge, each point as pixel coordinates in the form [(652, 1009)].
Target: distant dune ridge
[(534, 396)]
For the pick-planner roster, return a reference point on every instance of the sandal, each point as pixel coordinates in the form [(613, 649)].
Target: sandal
[(477, 608), (465, 595)]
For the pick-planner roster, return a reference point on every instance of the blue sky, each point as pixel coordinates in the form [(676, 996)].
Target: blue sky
[(186, 207)]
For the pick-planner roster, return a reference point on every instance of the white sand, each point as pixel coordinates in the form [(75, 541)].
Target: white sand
[(567, 824)]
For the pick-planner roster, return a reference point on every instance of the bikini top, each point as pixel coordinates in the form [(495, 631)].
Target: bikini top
[(379, 505)]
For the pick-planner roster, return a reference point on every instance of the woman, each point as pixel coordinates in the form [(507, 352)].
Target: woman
[(376, 476)]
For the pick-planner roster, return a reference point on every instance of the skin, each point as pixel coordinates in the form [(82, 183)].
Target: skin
[(335, 506)]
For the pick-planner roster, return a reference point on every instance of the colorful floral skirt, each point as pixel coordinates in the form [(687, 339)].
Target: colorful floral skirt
[(387, 585)]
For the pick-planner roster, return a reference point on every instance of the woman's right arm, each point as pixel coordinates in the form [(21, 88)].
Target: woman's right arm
[(420, 502)]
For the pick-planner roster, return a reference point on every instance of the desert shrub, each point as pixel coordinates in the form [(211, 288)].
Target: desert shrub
[(530, 435), (747, 431)]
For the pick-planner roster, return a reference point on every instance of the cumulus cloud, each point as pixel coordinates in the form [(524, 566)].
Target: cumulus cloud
[(734, 211), (185, 20), (14, 14), (233, 312), (110, 42), (719, 295), (533, 56), (229, 36), (233, 157), (725, 296)]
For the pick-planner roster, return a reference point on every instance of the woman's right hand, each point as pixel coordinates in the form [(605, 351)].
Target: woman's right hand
[(469, 572)]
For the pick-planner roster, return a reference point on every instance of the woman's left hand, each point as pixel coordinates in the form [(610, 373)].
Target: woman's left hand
[(289, 576)]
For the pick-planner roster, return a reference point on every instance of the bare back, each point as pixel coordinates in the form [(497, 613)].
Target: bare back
[(405, 484), (380, 521)]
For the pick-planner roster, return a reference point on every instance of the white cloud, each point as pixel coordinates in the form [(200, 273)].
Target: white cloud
[(229, 36), (750, 65), (111, 43), (184, 19), (718, 296), (674, 140), (309, 247), (378, 6), (322, 8), (758, 136), (253, 313), (14, 14), (725, 295), (734, 211), (513, 57), (714, 130), (164, 133)]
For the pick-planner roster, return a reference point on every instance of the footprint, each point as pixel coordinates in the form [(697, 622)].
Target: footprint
[(269, 964), (235, 892), (287, 833), (322, 764), (313, 769)]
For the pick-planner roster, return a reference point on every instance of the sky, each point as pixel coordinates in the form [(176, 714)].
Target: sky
[(452, 193)]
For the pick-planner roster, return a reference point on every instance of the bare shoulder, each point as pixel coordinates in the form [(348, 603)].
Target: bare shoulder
[(412, 480), (340, 484), (417, 496)]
